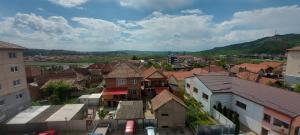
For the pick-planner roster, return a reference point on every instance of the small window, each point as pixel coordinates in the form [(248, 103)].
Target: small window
[(12, 55), (188, 85), (165, 126), (14, 69), (132, 91), (280, 123), (133, 81), (2, 102), (164, 114), (241, 105), (267, 118), (204, 96), (195, 90), (16, 82), (20, 95)]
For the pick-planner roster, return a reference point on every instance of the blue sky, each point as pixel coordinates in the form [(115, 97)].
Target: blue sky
[(153, 25)]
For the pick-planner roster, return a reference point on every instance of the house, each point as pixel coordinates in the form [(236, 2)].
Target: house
[(176, 79), (32, 72), (130, 110), (292, 71), (122, 83), (270, 69), (169, 110), (14, 94), (265, 110), (213, 68), (172, 59), (154, 81)]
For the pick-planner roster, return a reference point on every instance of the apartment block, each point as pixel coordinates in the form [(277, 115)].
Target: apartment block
[(292, 72), (14, 95)]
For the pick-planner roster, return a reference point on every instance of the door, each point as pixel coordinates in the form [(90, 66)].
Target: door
[(264, 131)]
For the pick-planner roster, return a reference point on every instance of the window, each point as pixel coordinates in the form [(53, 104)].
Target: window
[(20, 95), (16, 82), (188, 85), (14, 69), (2, 102), (267, 118), (280, 123), (133, 81), (132, 92), (121, 82), (195, 90), (12, 55), (164, 114), (241, 105), (204, 96)]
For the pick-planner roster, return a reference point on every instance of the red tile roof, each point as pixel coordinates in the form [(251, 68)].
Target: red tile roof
[(148, 72), (179, 75), (255, 68), (272, 64)]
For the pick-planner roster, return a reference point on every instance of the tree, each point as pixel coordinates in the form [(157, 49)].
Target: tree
[(297, 87), (135, 58), (102, 113), (58, 91), (219, 107), (54, 100)]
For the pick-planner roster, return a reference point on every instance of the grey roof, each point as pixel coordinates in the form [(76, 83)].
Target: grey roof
[(6, 45), (281, 100), (130, 110), (45, 114)]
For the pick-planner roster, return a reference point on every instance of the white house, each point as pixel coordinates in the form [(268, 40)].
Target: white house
[(265, 110)]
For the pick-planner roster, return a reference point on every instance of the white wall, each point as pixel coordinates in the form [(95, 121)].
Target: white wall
[(195, 82), (252, 116), (224, 98)]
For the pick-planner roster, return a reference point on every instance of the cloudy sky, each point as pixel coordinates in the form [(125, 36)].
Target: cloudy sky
[(153, 25)]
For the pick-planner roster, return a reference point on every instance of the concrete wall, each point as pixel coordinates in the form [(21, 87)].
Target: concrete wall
[(72, 125), (292, 73), (221, 118), (176, 115), (224, 98), (196, 83), (16, 98), (252, 116)]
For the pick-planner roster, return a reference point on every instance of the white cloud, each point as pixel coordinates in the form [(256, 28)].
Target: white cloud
[(40, 9), (158, 31), (191, 11), (155, 4), (69, 3)]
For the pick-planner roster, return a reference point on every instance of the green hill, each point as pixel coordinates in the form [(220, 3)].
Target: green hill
[(268, 45)]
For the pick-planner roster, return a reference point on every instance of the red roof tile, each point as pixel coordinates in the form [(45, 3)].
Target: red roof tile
[(164, 97)]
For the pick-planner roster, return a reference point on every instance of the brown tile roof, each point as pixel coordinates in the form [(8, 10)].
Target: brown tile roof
[(125, 70), (149, 71), (129, 110), (266, 81), (248, 76), (255, 68), (6, 45), (272, 64), (164, 97), (281, 100), (179, 75), (213, 68), (199, 71)]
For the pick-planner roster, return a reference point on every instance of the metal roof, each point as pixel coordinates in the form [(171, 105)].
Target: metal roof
[(28, 114), (67, 112)]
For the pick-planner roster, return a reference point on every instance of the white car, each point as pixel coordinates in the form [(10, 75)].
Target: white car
[(150, 131)]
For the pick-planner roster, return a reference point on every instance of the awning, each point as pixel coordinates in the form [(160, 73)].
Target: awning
[(115, 92)]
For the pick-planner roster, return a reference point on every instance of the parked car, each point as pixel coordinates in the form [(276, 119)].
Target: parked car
[(150, 131), (129, 128), (48, 132)]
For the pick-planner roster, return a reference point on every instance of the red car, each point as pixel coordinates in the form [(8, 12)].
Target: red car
[(129, 128), (48, 132)]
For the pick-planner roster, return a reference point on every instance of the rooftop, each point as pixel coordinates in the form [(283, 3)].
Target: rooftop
[(27, 115), (284, 101), (164, 97), (125, 70), (6, 45), (67, 112), (128, 110)]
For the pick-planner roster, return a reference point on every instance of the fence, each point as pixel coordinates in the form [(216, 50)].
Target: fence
[(221, 118), (214, 130)]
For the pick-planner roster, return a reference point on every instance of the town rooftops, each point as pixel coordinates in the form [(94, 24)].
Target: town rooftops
[(10, 46), (66, 113), (164, 97), (125, 70), (129, 110), (283, 101)]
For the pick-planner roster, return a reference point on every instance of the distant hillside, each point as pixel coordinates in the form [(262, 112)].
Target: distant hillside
[(32, 52), (267, 45)]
